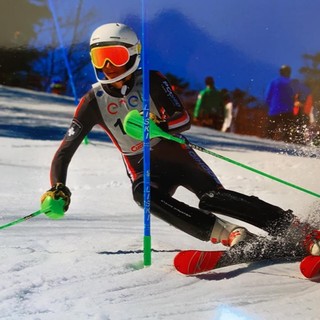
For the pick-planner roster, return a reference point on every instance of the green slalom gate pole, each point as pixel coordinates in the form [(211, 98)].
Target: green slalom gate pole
[(133, 127)]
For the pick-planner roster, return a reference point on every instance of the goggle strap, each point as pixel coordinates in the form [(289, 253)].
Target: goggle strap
[(136, 49)]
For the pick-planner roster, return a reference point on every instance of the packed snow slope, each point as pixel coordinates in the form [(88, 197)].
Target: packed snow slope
[(88, 265)]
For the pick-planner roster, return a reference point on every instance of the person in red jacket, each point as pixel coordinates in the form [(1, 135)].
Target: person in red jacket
[(115, 55), (302, 111)]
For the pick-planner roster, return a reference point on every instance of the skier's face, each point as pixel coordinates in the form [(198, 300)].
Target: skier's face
[(111, 71)]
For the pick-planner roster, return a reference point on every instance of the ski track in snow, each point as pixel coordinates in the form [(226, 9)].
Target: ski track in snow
[(89, 264)]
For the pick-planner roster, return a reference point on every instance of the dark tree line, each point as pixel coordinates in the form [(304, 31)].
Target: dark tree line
[(18, 18), (25, 65)]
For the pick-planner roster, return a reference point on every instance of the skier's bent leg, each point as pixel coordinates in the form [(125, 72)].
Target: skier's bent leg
[(274, 220), (200, 224), (249, 209)]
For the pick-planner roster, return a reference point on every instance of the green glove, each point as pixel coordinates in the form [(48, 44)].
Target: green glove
[(55, 202), (52, 208)]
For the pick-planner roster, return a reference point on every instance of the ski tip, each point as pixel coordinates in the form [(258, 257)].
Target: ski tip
[(310, 266), (184, 261), (190, 262)]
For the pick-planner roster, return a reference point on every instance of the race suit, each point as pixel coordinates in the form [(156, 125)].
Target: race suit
[(171, 164)]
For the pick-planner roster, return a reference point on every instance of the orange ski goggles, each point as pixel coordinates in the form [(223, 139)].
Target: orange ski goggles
[(116, 54)]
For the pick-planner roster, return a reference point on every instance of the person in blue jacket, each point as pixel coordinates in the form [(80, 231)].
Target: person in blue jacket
[(280, 100)]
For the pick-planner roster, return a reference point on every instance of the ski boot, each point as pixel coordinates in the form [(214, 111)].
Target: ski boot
[(304, 235), (228, 234), (312, 243)]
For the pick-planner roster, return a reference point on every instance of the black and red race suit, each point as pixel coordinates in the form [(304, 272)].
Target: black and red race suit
[(172, 164)]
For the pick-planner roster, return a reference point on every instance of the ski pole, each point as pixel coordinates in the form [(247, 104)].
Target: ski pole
[(52, 208), (34, 214), (133, 127)]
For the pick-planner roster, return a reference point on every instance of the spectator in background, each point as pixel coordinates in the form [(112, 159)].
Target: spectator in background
[(57, 86), (280, 99), (209, 109), (239, 119), (228, 109)]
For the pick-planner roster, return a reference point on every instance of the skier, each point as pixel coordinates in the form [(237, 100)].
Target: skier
[(115, 55)]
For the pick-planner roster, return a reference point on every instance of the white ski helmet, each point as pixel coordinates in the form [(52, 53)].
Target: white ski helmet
[(117, 43)]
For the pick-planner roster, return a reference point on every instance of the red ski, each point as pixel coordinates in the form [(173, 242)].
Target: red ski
[(310, 266), (190, 262)]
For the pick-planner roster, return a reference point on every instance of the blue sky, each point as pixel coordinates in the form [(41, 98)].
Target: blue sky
[(266, 32)]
